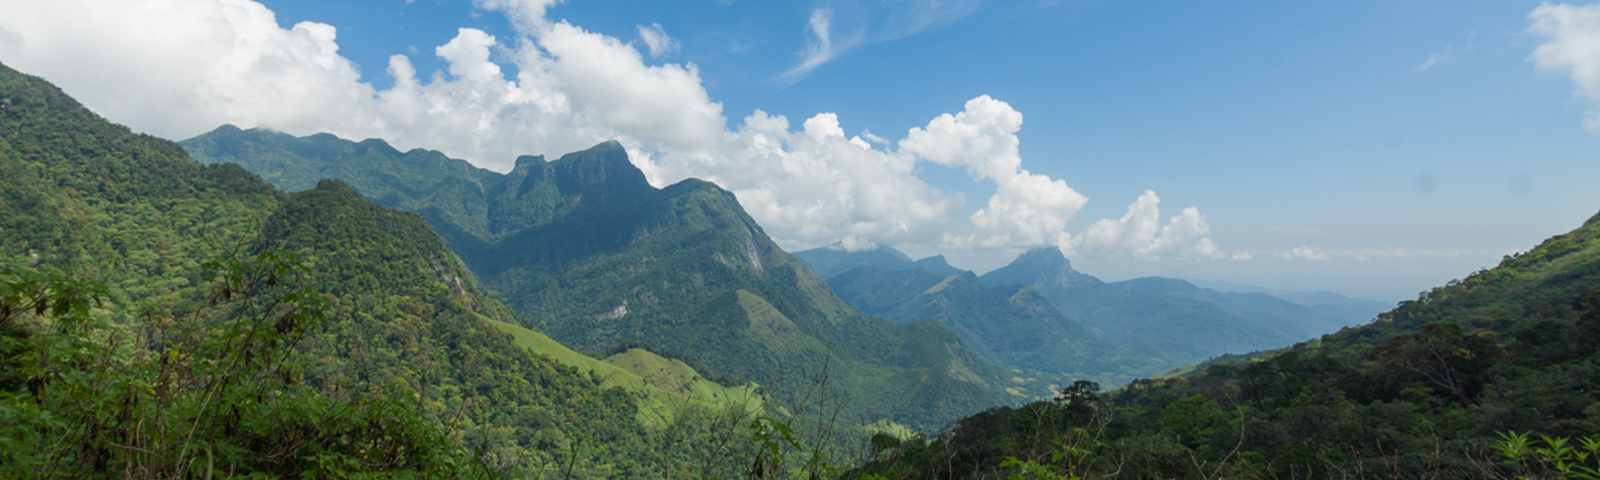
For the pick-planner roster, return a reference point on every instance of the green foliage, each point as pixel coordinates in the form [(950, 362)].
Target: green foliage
[(214, 393), (1549, 457)]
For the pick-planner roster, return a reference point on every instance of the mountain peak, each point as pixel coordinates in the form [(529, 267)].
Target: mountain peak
[(1045, 266), (937, 265), (604, 164)]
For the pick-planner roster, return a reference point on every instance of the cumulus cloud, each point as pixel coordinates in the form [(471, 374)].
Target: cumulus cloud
[(1139, 233), (178, 68), (816, 186), (1027, 209), (657, 40), (1572, 45)]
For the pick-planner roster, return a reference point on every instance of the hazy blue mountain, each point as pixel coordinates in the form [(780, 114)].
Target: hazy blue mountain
[(826, 262), (1353, 311), (596, 257), (1164, 318), (1014, 326), (1288, 317)]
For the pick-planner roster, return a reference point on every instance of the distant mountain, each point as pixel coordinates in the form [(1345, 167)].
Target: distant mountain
[(829, 261), (1291, 318), (1011, 325), (596, 257), (1015, 326), (1353, 311), (1165, 318), (876, 290)]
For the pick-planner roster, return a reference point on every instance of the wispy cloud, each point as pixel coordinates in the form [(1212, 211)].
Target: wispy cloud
[(1434, 59), (1314, 252), (837, 27), (819, 46), (657, 40)]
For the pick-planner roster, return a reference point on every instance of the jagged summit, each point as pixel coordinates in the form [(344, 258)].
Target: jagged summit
[(604, 165)]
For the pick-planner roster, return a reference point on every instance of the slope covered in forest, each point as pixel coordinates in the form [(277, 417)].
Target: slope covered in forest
[(349, 338), (596, 257)]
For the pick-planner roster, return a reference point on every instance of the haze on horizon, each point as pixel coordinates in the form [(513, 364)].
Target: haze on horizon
[(1364, 148)]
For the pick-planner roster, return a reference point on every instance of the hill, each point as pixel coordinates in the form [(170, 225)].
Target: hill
[(374, 346), (1467, 381), (595, 257)]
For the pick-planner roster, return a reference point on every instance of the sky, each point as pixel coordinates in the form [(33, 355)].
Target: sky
[(1371, 148)]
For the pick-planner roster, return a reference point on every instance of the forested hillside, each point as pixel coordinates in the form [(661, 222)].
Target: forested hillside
[(595, 257), (1490, 376), (164, 318)]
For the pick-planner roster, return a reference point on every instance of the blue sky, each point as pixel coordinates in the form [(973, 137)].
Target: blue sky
[(1370, 148)]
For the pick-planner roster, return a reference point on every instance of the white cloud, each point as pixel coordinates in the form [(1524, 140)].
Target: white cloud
[(177, 68), (1305, 252), (180, 67), (1139, 233), (819, 46), (657, 40), (1572, 45), (1434, 59), (816, 186), (1027, 209), (525, 15)]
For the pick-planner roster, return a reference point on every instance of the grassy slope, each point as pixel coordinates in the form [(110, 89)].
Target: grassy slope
[(660, 385)]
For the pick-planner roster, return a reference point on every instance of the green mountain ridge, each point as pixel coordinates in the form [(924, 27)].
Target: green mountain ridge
[(595, 257)]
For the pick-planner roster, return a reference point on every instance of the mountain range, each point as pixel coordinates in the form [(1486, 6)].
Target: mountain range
[(1134, 328), (596, 257)]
